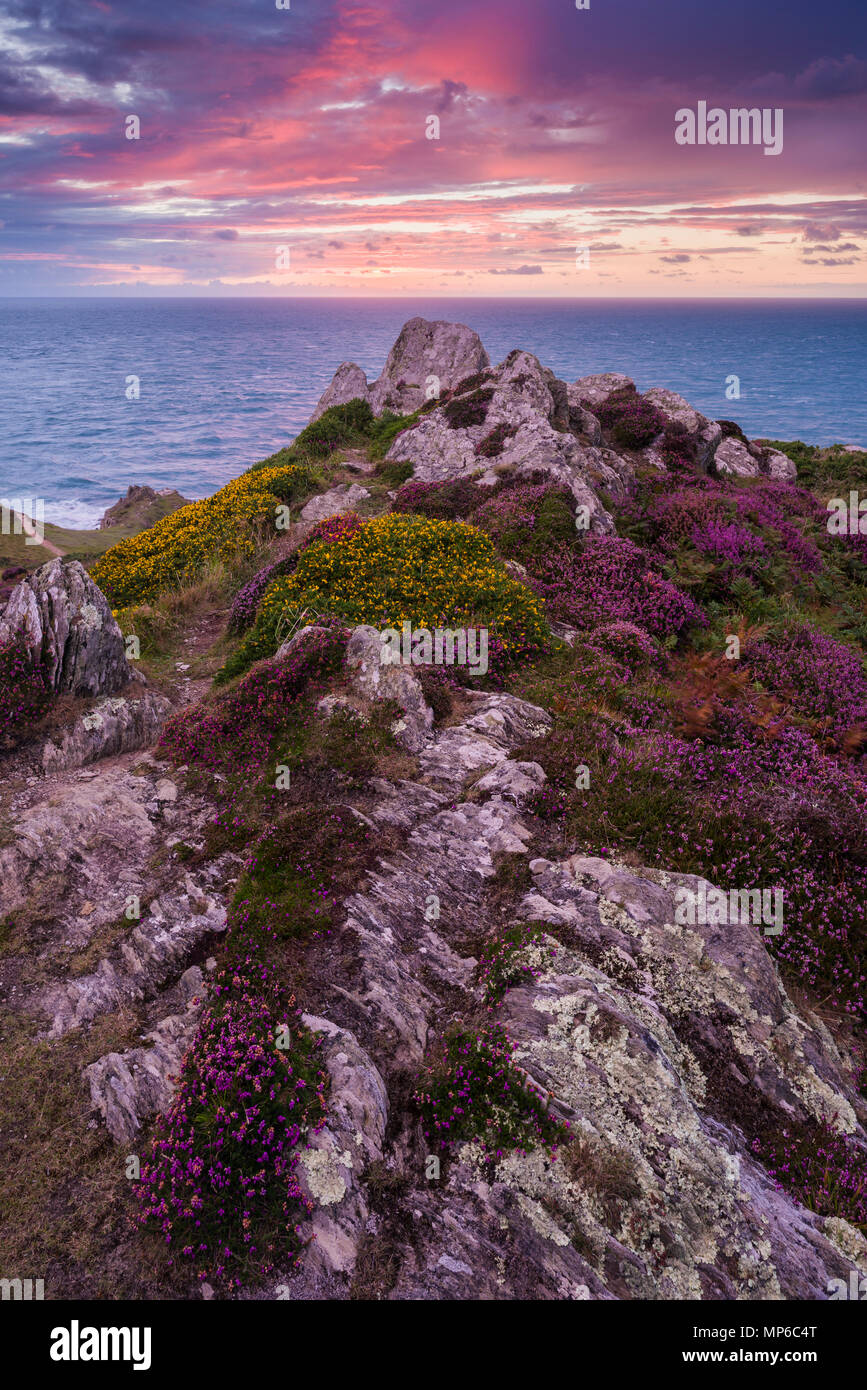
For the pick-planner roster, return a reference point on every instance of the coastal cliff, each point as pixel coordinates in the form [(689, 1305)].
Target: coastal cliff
[(324, 977)]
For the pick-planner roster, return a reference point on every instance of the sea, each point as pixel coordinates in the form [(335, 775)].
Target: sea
[(96, 394)]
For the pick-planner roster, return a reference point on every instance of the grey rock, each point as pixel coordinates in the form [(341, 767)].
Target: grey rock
[(592, 391), (331, 1166), (113, 725), (450, 352), (129, 1088), (375, 681), (703, 433), (780, 466), (512, 781), (348, 384), (343, 498), (68, 628), (733, 457)]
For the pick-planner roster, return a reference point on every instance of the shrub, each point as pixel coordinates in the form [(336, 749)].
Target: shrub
[(25, 694), (220, 1182), (246, 601), (466, 412), (513, 957), (473, 1091), (525, 520), (219, 528), (492, 445), (630, 419), (403, 568), (824, 680), (447, 501), (235, 732), (824, 1170), (340, 427), (732, 431), (610, 580)]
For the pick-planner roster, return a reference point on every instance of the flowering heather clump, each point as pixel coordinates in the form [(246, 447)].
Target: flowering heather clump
[(220, 1183), (492, 445), (631, 645), (824, 680), (216, 529), (716, 516), (403, 568), (823, 1170), (246, 601), (24, 692), (515, 956), (727, 543), (525, 519), (466, 411), (236, 732), (446, 501), (749, 813), (677, 449), (610, 580), (630, 419), (473, 1091), (333, 529)]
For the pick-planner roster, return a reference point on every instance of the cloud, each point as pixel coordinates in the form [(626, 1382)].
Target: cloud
[(813, 231), (679, 259), (833, 77), (226, 234), (519, 270)]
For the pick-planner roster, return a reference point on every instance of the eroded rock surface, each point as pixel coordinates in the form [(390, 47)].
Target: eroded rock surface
[(67, 626)]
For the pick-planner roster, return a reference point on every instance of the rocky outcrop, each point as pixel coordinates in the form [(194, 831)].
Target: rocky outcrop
[(742, 459), (141, 507), (374, 680), (113, 725), (518, 419), (67, 626), (661, 1045), (428, 358), (344, 498), (129, 1088)]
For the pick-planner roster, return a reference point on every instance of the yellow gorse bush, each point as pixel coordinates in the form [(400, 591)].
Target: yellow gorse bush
[(218, 528), (400, 568)]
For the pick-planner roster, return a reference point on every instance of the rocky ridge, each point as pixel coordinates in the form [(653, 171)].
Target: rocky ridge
[(654, 1041)]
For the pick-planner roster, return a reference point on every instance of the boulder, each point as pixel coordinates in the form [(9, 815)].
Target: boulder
[(435, 355), (69, 630), (703, 433), (733, 457), (343, 498), (779, 465), (373, 680), (348, 384), (449, 352), (593, 391)]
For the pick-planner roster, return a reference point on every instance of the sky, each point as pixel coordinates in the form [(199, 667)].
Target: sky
[(429, 147)]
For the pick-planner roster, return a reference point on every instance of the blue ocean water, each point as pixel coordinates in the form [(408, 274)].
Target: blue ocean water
[(224, 382)]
